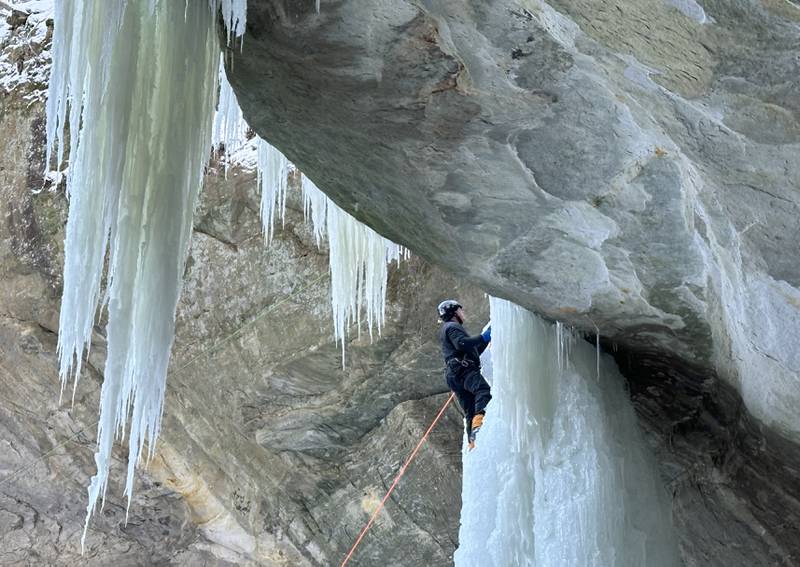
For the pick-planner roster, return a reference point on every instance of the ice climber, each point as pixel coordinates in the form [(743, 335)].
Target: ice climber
[(462, 356)]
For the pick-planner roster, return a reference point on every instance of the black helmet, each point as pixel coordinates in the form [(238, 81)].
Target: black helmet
[(447, 309)]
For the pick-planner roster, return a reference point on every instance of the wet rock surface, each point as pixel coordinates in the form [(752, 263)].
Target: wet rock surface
[(730, 477)]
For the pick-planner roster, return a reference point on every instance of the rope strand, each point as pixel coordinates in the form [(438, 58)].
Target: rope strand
[(397, 479)]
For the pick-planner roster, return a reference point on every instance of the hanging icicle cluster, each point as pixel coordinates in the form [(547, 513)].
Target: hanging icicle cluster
[(136, 164), (359, 259), (230, 129), (234, 14), (561, 474), (137, 158), (273, 180), (359, 256)]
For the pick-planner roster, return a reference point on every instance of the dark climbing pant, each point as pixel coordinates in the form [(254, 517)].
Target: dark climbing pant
[(472, 391)]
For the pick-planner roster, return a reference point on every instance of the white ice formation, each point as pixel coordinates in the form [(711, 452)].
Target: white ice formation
[(136, 80), (359, 256), (359, 259), (136, 166), (560, 475), (234, 14), (273, 180), (230, 128), (315, 207)]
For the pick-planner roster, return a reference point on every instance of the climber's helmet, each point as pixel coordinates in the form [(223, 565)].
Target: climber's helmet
[(447, 309)]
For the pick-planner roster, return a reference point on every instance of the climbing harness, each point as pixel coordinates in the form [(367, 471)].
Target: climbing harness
[(464, 362), (397, 479)]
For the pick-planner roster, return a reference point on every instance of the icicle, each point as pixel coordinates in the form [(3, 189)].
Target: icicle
[(137, 161), (230, 128), (273, 171), (234, 14), (597, 350), (560, 475), (358, 257), (315, 207), (560, 345), (359, 272), (358, 263), (84, 29)]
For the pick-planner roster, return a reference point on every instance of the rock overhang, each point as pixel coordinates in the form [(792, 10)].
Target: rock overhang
[(629, 169)]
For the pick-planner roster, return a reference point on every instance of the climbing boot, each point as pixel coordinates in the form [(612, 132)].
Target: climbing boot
[(477, 421)]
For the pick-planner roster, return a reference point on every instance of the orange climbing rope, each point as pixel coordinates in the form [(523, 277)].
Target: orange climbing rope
[(397, 479)]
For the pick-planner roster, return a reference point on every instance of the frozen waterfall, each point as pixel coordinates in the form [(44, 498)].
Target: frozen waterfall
[(137, 82), (560, 475)]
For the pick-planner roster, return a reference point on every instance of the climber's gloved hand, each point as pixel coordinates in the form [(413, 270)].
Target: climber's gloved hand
[(487, 334)]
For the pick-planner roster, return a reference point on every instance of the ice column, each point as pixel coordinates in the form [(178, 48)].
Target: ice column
[(560, 475), (138, 79)]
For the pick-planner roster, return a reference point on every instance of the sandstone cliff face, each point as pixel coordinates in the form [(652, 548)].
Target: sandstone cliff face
[(627, 167)]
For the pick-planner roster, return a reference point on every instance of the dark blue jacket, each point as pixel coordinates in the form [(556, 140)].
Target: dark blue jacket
[(457, 344)]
